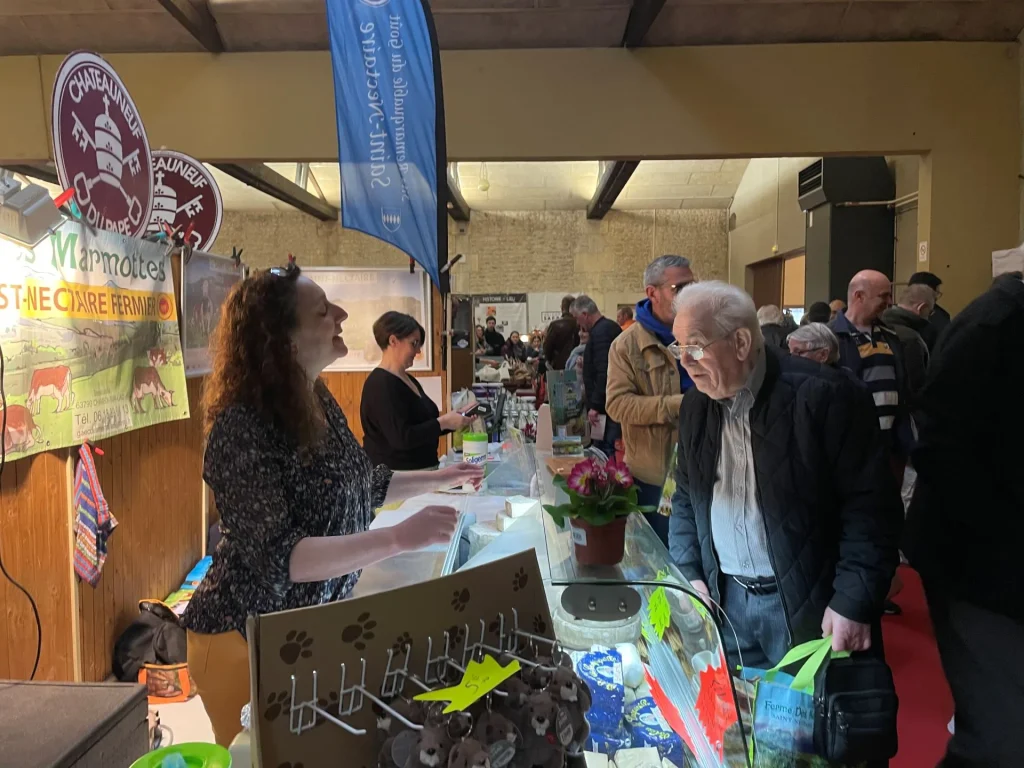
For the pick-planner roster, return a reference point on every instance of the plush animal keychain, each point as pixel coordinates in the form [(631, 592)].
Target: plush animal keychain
[(425, 748), (574, 699), (499, 735), (469, 753), (543, 744)]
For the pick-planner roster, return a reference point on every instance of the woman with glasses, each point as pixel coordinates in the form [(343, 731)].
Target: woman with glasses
[(294, 490), (401, 424)]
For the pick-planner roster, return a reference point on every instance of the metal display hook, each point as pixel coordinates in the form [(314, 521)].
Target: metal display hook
[(304, 713)]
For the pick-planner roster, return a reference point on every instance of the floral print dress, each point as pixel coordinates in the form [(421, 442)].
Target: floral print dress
[(270, 496)]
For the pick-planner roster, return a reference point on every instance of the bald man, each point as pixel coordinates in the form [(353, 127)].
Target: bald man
[(874, 353)]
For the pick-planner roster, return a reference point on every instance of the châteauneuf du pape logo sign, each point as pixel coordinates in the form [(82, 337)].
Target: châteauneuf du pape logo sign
[(100, 147), (185, 195)]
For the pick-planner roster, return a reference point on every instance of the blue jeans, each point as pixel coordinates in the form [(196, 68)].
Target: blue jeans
[(650, 496), (759, 621)]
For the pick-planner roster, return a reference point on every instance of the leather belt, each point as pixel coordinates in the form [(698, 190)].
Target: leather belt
[(757, 586)]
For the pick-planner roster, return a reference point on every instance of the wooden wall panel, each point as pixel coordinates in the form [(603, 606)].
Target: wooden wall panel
[(347, 388), (152, 479), (34, 542)]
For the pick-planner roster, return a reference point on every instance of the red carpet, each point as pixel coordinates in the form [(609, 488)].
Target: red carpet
[(925, 702)]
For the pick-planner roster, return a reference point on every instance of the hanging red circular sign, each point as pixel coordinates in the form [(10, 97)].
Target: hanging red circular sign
[(100, 147), (185, 195)]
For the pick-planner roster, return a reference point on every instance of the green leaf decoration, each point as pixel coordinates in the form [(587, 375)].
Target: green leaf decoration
[(659, 612)]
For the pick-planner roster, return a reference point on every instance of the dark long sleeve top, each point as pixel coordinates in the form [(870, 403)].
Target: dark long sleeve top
[(595, 362), (271, 496), (400, 428)]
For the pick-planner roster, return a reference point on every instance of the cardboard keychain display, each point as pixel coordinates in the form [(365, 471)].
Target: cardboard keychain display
[(322, 638)]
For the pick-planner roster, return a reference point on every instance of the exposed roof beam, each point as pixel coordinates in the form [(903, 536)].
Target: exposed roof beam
[(197, 20), (270, 182), (613, 178), (40, 172), (458, 209), (641, 16)]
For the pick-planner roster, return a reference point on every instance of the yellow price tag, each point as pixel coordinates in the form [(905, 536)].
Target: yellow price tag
[(479, 679)]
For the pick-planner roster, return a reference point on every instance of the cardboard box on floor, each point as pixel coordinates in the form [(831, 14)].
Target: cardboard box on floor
[(325, 637)]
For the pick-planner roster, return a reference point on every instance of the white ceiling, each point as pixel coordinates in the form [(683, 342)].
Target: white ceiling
[(547, 186)]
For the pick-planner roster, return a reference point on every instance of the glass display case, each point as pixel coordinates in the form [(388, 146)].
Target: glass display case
[(642, 624)]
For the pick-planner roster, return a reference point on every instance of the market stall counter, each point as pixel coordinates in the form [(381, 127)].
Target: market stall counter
[(654, 687)]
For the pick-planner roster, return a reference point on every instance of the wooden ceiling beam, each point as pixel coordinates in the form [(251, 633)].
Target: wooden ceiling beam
[(198, 21), (641, 17), (609, 186), (270, 182), (457, 206)]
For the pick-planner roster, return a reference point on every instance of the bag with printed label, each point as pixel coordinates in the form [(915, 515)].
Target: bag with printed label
[(784, 704)]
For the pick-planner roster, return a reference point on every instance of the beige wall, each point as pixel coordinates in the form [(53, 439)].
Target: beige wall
[(905, 172), (956, 104), (557, 251), (768, 220)]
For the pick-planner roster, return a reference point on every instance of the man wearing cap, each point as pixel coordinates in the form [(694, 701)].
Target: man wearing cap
[(939, 317)]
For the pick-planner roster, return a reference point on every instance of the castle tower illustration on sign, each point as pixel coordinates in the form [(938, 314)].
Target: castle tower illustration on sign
[(165, 204), (109, 152)]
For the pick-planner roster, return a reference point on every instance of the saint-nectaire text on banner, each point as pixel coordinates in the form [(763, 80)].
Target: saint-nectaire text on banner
[(89, 334)]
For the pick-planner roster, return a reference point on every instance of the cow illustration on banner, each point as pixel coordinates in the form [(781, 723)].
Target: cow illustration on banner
[(185, 195), (100, 146), (89, 337)]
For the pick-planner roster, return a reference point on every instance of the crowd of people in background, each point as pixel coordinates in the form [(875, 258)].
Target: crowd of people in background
[(811, 458)]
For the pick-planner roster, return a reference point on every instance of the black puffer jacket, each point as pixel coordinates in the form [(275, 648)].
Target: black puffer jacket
[(828, 498)]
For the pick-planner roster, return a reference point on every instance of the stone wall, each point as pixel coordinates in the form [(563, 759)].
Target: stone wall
[(556, 251)]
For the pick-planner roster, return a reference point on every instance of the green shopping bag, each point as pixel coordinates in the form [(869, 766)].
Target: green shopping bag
[(784, 704)]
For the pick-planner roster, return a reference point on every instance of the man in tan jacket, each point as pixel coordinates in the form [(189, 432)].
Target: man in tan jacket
[(646, 383)]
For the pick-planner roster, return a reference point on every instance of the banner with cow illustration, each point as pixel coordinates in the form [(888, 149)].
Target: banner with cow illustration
[(89, 337)]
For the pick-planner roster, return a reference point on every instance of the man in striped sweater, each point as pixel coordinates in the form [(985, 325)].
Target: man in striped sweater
[(874, 353)]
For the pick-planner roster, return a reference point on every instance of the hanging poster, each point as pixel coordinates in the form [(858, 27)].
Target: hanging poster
[(100, 146), (390, 117), (89, 337), (366, 294), (205, 285), (185, 195), (509, 311)]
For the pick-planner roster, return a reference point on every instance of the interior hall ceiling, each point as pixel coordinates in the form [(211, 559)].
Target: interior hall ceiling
[(109, 26), (547, 186)]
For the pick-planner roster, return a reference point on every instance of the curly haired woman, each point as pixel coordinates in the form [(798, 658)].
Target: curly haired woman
[(294, 489)]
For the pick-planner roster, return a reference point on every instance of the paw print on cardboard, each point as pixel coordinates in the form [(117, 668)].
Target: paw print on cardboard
[(520, 579), (276, 704), (330, 704), (460, 599), (297, 644), (539, 625), (401, 644), (456, 635), (357, 634)]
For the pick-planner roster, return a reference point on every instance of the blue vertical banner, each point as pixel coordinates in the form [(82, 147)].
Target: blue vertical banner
[(391, 142)]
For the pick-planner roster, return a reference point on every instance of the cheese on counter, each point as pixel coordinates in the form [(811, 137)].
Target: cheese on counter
[(632, 666), (645, 757)]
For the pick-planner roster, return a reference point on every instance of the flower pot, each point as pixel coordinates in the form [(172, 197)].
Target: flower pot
[(599, 544)]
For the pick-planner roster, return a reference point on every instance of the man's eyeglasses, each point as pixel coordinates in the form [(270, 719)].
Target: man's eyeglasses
[(677, 287), (693, 351)]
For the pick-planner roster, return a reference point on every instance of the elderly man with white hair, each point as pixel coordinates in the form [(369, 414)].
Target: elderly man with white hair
[(771, 320), (814, 341), (785, 512)]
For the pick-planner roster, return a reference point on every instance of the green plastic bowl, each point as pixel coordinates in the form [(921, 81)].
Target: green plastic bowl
[(195, 755)]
